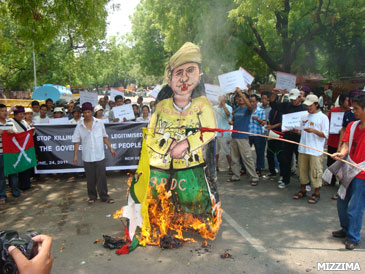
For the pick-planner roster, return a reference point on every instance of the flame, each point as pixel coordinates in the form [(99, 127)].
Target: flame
[(166, 220)]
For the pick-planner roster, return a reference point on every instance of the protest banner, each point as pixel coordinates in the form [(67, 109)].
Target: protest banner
[(292, 120), (124, 111), (54, 147), (213, 92), (285, 81), (114, 92), (336, 122), (88, 97)]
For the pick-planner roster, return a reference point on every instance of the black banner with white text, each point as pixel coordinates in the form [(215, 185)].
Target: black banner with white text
[(54, 147)]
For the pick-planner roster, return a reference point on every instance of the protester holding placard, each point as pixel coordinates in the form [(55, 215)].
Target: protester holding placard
[(314, 134), (257, 121), (119, 101), (295, 105), (334, 138), (240, 145)]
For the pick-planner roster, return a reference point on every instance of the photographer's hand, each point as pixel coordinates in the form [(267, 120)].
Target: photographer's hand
[(41, 263)]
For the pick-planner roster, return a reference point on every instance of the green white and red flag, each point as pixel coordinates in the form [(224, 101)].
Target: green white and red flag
[(18, 152)]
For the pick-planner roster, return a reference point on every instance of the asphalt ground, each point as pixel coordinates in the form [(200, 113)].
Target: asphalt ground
[(263, 229)]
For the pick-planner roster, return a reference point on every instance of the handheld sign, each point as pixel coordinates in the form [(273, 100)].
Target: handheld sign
[(336, 122), (88, 97), (247, 76), (231, 80), (114, 92), (155, 92), (292, 120), (285, 81), (213, 92), (124, 111)]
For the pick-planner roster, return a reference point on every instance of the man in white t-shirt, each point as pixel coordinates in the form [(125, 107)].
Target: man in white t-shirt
[(42, 118), (315, 127)]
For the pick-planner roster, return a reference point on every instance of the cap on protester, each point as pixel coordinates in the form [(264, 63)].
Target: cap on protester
[(58, 109), (27, 110), (310, 100), (294, 94), (18, 109), (87, 106), (97, 108), (76, 109)]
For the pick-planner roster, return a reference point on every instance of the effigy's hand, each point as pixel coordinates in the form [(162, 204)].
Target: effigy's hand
[(179, 150)]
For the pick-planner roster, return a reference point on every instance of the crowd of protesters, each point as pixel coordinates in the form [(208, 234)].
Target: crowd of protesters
[(24, 119), (258, 115)]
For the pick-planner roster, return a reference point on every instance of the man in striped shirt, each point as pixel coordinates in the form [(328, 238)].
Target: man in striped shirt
[(5, 124)]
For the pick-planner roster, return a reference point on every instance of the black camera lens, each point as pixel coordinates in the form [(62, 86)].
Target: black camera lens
[(9, 268)]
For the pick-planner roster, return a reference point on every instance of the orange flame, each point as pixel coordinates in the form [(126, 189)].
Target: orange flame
[(165, 220)]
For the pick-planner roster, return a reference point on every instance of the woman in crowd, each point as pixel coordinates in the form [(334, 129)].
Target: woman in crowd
[(145, 114)]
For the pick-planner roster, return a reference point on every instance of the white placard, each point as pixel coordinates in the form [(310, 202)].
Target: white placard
[(88, 97), (58, 121), (124, 111), (229, 81), (247, 76), (114, 92), (285, 81), (292, 120), (105, 120), (336, 122), (213, 92), (155, 91)]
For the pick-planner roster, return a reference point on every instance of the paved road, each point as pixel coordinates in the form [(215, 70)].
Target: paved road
[(264, 230)]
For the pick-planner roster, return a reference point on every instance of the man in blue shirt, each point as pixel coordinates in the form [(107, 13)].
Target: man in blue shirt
[(240, 146)]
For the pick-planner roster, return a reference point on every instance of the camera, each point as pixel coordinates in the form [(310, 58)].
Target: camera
[(24, 243)]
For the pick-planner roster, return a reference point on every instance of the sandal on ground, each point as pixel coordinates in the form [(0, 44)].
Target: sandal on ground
[(110, 201), (230, 172), (334, 197), (254, 183), (315, 198), (232, 180), (301, 194), (91, 201)]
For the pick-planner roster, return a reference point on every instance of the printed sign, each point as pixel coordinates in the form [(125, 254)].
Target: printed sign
[(155, 91), (292, 120), (88, 97), (285, 81), (336, 122), (124, 111), (230, 81), (213, 92)]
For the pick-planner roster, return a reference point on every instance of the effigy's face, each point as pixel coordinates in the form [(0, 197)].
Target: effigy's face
[(184, 79)]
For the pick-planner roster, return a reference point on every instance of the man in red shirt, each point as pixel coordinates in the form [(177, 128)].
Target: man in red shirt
[(351, 208)]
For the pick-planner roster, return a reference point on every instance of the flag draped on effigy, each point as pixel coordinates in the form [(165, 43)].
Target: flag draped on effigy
[(18, 151)]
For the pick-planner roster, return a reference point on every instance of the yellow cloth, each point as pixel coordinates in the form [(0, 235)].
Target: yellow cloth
[(189, 52), (168, 124)]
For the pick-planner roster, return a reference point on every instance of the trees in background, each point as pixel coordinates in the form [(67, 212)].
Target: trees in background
[(317, 36)]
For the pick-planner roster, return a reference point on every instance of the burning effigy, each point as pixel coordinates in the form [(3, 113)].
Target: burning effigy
[(171, 192)]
